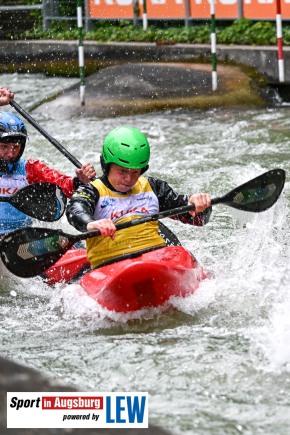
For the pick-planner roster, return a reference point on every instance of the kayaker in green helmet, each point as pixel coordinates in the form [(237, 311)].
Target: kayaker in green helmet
[(122, 193)]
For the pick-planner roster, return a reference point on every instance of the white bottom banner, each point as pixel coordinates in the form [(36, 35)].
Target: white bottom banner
[(77, 410)]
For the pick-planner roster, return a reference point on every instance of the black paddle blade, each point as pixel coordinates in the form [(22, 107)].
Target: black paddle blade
[(258, 194), (29, 251), (42, 201)]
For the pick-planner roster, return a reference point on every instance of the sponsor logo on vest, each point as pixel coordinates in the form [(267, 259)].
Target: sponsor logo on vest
[(145, 198), (121, 213), (8, 190), (108, 202)]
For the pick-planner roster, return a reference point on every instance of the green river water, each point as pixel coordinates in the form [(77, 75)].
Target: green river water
[(219, 363)]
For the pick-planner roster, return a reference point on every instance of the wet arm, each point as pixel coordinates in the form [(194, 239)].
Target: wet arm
[(38, 172), (80, 209), (169, 198)]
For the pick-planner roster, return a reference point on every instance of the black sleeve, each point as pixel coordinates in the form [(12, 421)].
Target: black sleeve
[(76, 183), (81, 206), (169, 198)]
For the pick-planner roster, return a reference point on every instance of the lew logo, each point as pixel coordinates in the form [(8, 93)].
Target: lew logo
[(108, 202), (121, 213), (126, 409)]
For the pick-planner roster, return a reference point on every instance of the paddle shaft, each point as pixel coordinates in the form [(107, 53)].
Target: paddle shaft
[(153, 217), (44, 133)]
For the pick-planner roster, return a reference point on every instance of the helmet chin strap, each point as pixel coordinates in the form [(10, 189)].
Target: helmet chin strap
[(7, 167), (105, 166), (144, 169)]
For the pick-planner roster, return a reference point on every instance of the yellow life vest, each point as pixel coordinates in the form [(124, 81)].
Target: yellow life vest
[(119, 207)]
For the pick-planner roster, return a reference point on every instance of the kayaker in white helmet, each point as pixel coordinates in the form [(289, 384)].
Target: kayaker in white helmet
[(122, 193), (17, 172)]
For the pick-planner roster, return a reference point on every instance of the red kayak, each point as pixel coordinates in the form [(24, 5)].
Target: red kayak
[(148, 280)]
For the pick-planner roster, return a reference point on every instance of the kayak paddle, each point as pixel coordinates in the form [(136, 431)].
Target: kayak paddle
[(44, 133), (42, 201), (27, 252)]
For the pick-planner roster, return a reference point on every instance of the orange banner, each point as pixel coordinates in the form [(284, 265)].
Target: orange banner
[(165, 8), (110, 9), (264, 9), (170, 9), (124, 8), (227, 9)]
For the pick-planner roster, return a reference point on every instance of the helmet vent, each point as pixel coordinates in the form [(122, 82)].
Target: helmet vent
[(109, 151), (124, 161), (125, 145)]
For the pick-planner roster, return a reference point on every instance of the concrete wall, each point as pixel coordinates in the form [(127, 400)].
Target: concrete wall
[(262, 58)]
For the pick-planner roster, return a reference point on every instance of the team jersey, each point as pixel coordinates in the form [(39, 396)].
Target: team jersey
[(120, 207)]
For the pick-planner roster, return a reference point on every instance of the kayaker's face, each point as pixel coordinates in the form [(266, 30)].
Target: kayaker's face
[(123, 179), (9, 151)]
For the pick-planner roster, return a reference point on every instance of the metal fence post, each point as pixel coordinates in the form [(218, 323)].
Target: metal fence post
[(50, 8), (240, 9)]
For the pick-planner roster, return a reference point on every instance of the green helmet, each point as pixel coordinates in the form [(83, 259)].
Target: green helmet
[(127, 147)]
